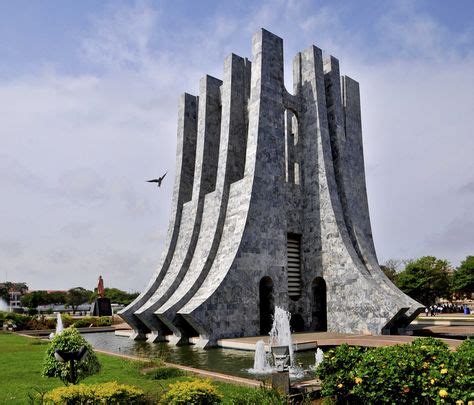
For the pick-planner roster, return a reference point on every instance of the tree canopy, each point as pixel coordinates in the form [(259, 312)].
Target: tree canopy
[(77, 296), (425, 279), (36, 298), (8, 286), (462, 280), (117, 296)]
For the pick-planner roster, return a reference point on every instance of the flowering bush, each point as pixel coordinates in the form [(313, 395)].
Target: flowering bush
[(425, 371), (196, 392), (106, 393), (336, 371)]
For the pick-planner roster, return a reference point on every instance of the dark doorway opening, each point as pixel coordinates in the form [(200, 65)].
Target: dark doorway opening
[(266, 305), (319, 322), (297, 323)]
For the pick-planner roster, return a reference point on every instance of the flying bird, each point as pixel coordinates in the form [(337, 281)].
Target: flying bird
[(158, 180)]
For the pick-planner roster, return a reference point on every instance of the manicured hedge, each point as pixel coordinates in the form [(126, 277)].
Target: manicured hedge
[(40, 322)]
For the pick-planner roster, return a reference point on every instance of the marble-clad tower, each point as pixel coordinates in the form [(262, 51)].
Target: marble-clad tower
[(269, 208)]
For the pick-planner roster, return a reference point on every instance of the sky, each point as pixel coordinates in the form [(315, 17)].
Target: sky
[(88, 107)]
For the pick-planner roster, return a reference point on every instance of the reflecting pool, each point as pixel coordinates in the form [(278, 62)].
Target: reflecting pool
[(227, 361)]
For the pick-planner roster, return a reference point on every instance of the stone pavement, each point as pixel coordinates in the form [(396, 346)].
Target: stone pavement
[(311, 340)]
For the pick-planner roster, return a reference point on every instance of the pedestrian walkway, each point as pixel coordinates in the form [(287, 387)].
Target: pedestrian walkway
[(311, 340)]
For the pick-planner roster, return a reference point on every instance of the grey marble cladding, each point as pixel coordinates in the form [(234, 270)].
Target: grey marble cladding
[(255, 163)]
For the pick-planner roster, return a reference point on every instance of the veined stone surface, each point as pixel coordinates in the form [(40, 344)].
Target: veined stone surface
[(257, 166)]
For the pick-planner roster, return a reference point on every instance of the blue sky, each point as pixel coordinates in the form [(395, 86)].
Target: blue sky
[(88, 97)]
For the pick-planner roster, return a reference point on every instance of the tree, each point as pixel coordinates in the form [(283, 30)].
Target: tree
[(7, 287), (35, 298), (389, 272), (57, 297), (77, 296), (462, 280), (117, 296), (425, 279)]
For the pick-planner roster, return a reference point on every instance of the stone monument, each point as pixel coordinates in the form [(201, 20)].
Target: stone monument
[(269, 208)]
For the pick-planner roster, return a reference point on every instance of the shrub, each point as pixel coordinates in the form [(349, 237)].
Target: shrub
[(40, 323), (463, 364), (336, 371), (13, 318), (425, 371), (163, 373), (106, 393), (92, 320), (69, 340), (196, 392)]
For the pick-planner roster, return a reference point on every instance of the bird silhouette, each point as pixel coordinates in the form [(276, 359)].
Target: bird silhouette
[(158, 180)]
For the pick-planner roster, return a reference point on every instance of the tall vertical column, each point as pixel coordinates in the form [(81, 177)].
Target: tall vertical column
[(339, 148), (355, 188)]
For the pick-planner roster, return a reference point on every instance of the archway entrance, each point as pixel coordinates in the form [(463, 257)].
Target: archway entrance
[(319, 321), (266, 305)]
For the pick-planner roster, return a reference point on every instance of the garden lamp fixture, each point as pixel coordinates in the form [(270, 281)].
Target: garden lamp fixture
[(71, 357)]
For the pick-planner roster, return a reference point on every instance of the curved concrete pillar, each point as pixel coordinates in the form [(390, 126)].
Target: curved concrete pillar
[(231, 165), (182, 192), (205, 174)]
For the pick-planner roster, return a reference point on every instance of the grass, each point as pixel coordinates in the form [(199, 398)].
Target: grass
[(21, 362)]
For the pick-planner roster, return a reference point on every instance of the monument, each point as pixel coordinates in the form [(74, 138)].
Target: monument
[(269, 208), (101, 306)]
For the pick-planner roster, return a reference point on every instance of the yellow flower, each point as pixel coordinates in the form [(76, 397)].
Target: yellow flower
[(434, 357), (358, 380), (459, 402), (339, 385), (444, 371), (432, 381), (426, 365), (443, 393), (441, 365)]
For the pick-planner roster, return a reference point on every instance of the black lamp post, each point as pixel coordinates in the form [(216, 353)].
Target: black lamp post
[(72, 357)]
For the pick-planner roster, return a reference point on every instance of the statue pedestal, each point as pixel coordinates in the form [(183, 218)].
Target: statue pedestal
[(101, 307)]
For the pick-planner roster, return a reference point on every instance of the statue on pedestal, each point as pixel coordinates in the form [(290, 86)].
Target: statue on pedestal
[(101, 305)]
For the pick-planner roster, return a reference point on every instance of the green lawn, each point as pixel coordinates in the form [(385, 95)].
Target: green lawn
[(21, 361)]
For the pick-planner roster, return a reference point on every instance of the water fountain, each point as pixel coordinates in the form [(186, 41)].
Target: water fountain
[(280, 334), (4, 306), (318, 357), (261, 364), (59, 326)]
